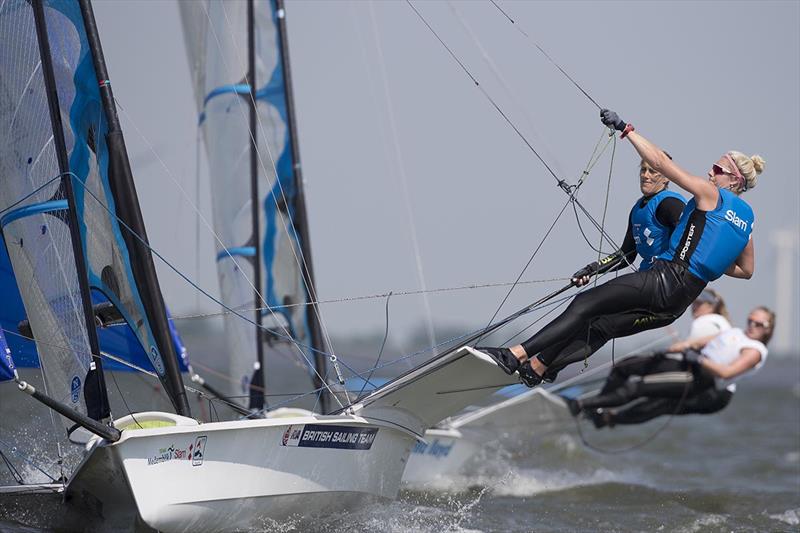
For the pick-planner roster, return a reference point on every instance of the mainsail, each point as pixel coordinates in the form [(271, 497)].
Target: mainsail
[(66, 202), (259, 213)]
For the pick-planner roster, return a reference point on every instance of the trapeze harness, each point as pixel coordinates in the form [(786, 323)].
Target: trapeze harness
[(702, 247), (652, 386)]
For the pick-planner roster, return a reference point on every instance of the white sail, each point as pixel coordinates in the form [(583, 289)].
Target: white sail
[(216, 35)]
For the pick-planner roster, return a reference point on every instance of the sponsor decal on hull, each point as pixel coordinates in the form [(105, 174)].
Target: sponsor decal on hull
[(326, 436), (195, 453), (434, 448)]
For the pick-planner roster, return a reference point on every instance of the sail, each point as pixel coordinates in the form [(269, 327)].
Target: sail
[(216, 35), (118, 340), (59, 220), (7, 370)]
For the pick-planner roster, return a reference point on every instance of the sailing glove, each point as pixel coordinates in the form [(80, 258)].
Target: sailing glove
[(588, 270), (612, 120)]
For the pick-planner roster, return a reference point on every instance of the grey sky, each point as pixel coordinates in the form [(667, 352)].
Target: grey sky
[(697, 78)]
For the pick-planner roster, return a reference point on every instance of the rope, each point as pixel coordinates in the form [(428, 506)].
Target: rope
[(380, 352)]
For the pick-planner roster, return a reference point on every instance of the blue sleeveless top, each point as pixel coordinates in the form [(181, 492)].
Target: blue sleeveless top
[(708, 242), (651, 236)]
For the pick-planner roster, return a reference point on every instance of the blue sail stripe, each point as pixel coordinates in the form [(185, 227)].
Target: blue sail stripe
[(33, 209), (243, 251), (271, 89)]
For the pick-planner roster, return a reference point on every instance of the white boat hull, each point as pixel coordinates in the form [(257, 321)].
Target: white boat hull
[(442, 455), (248, 472)]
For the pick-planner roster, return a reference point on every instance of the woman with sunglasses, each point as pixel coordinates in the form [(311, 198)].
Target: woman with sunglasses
[(641, 388), (713, 237), (651, 221)]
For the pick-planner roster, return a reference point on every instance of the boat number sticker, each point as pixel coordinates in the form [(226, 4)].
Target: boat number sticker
[(325, 436)]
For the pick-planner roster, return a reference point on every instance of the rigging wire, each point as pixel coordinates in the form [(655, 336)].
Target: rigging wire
[(299, 257), (486, 94), (569, 190), (401, 172), (522, 272), (208, 226), (541, 140), (382, 295), (14, 451), (12, 469), (196, 286), (523, 32), (380, 352)]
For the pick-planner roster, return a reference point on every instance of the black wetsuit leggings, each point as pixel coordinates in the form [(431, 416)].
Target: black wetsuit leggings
[(620, 307), (645, 387)]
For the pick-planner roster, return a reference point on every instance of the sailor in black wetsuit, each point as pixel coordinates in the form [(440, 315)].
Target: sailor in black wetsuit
[(712, 238), (651, 222), (641, 388)]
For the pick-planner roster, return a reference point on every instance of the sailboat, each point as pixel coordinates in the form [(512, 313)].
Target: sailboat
[(72, 227)]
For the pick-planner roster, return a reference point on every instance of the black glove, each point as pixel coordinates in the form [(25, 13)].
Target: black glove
[(588, 270), (612, 120), (692, 357)]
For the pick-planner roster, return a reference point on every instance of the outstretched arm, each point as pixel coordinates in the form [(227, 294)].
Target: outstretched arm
[(748, 358), (745, 264), (695, 344), (705, 192)]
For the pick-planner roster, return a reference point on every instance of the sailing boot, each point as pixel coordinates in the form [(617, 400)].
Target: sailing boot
[(504, 358), (528, 376)]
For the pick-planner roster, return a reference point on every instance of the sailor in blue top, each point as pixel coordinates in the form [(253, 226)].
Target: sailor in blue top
[(713, 237), (651, 222)]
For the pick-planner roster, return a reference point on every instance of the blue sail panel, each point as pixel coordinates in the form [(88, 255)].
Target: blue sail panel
[(119, 341), (105, 251), (37, 210)]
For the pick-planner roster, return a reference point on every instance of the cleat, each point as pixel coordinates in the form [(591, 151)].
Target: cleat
[(503, 357), (528, 376)]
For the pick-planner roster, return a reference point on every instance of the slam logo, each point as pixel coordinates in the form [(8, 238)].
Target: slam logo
[(733, 218)]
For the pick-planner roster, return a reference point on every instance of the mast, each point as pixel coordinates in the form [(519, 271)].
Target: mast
[(95, 392), (301, 218), (124, 192), (259, 376)]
